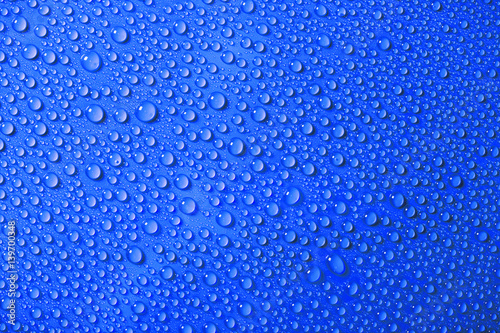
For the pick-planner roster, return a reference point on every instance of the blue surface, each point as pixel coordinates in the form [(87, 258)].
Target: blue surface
[(255, 166)]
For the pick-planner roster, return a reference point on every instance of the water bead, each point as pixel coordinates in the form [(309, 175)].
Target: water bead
[(296, 66), (35, 104), (120, 35), (225, 219), (293, 196), (273, 209), (147, 112), (115, 160), (217, 101), (337, 264), (49, 57), (211, 279), (151, 227), (51, 180), (245, 309), (30, 52), (188, 206), (139, 308), (237, 147), (385, 44), (95, 113), (180, 27), (94, 172), (341, 208), (339, 131), (371, 218), (457, 181), (41, 31), (121, 116), (20, 24), (398, 200), (135, 255), (248, 6), (182, 182), (91, 61), (168, 159)]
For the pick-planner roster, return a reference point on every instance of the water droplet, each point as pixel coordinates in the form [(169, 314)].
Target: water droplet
[(188, 206), (237, 147), (293, 196), (120, 35), (94, 172), (217, 101), (51, 180), (95, 113), (135, 255), (398, 200), (91, 62), (20, 24), (225, 219), (30, 52), (371, 218), (146, 112), (168, 159), (296, 66), (151, 227), (180, 27), (385, 44), (337, 264)]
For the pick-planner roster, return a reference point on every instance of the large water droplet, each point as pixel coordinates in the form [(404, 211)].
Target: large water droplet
[(217, 101), (337, 264), (95, 113), (225, 219), (293, 196), (91, 62), (120, 35), (135, 255), (20, 24), (146, 112)]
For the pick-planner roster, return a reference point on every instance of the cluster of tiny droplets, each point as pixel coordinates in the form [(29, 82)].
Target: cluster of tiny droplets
[(251, 166)]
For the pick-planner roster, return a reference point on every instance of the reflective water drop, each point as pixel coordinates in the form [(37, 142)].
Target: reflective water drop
[(94, 171), (225, 219), (371, 218), (30, 52), (237, 147), (135, 255), (51, 180), (180, 27), (20, 24), (457, 181), (146, 112), (293, 196), (188, 206), (95, 113), (398, 200), (296, 66), (324, 41), (151, 227), (120, 35), (385, 44), (91, 62), (168, 159), (182, 182), (248, 6), (337, 264), (217, 101)]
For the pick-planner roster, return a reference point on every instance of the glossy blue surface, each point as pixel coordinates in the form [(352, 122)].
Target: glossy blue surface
[(250, 166)]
